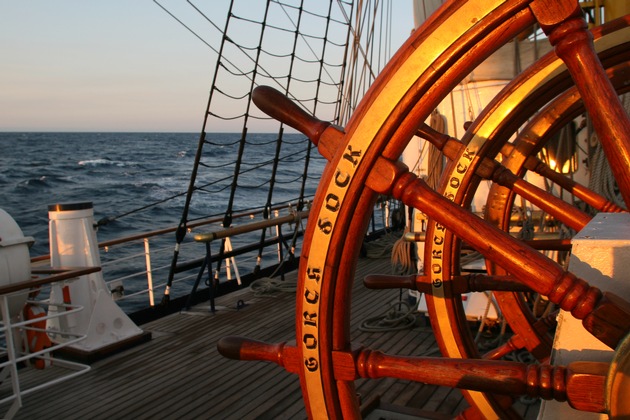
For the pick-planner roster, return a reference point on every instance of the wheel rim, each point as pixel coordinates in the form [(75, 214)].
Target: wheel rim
[(444, 305), (323, 396)]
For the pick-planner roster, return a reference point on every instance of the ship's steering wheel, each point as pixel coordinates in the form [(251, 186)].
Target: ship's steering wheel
[(363, 162)]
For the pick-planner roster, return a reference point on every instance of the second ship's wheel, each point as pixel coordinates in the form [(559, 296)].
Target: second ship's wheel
[(531, 91), (363, 163)]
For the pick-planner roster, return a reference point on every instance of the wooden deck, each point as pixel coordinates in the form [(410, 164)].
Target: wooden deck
[(179, 373)]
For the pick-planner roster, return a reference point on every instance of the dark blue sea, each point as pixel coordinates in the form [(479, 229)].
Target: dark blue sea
[(139, 180)]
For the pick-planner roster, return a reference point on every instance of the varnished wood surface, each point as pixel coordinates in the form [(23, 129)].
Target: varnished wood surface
[(179, 373)]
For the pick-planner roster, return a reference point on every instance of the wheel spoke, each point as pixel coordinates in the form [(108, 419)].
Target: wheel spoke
[(590, 197), (527, 265), (493, 170), (462, 284), (499, 377), (327, 137), (562, 21), (241, 348)]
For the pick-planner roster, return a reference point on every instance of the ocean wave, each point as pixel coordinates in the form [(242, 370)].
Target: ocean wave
[(101, 162), (42, 181), (45, 181)]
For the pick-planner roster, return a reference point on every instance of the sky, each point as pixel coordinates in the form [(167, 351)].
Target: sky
[(116, 65), (99, 66)]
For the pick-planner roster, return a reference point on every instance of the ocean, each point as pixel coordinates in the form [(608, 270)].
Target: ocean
[(139, 180)]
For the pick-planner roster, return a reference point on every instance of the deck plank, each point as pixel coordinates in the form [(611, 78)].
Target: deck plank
[(180, 374)]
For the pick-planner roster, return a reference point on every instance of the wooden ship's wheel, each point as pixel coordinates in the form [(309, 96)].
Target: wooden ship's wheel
[(363, 162)]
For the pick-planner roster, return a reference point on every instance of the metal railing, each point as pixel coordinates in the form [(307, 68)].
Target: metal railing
[(147, 259), (135, 267), (18, 335)]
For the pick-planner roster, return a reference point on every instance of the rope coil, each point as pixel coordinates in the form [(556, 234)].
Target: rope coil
[(393, 319), (271, 287)]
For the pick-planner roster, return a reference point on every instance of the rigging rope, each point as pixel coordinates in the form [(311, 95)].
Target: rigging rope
[(107, 219), (436, 158), (322, 59), (401, 260)]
